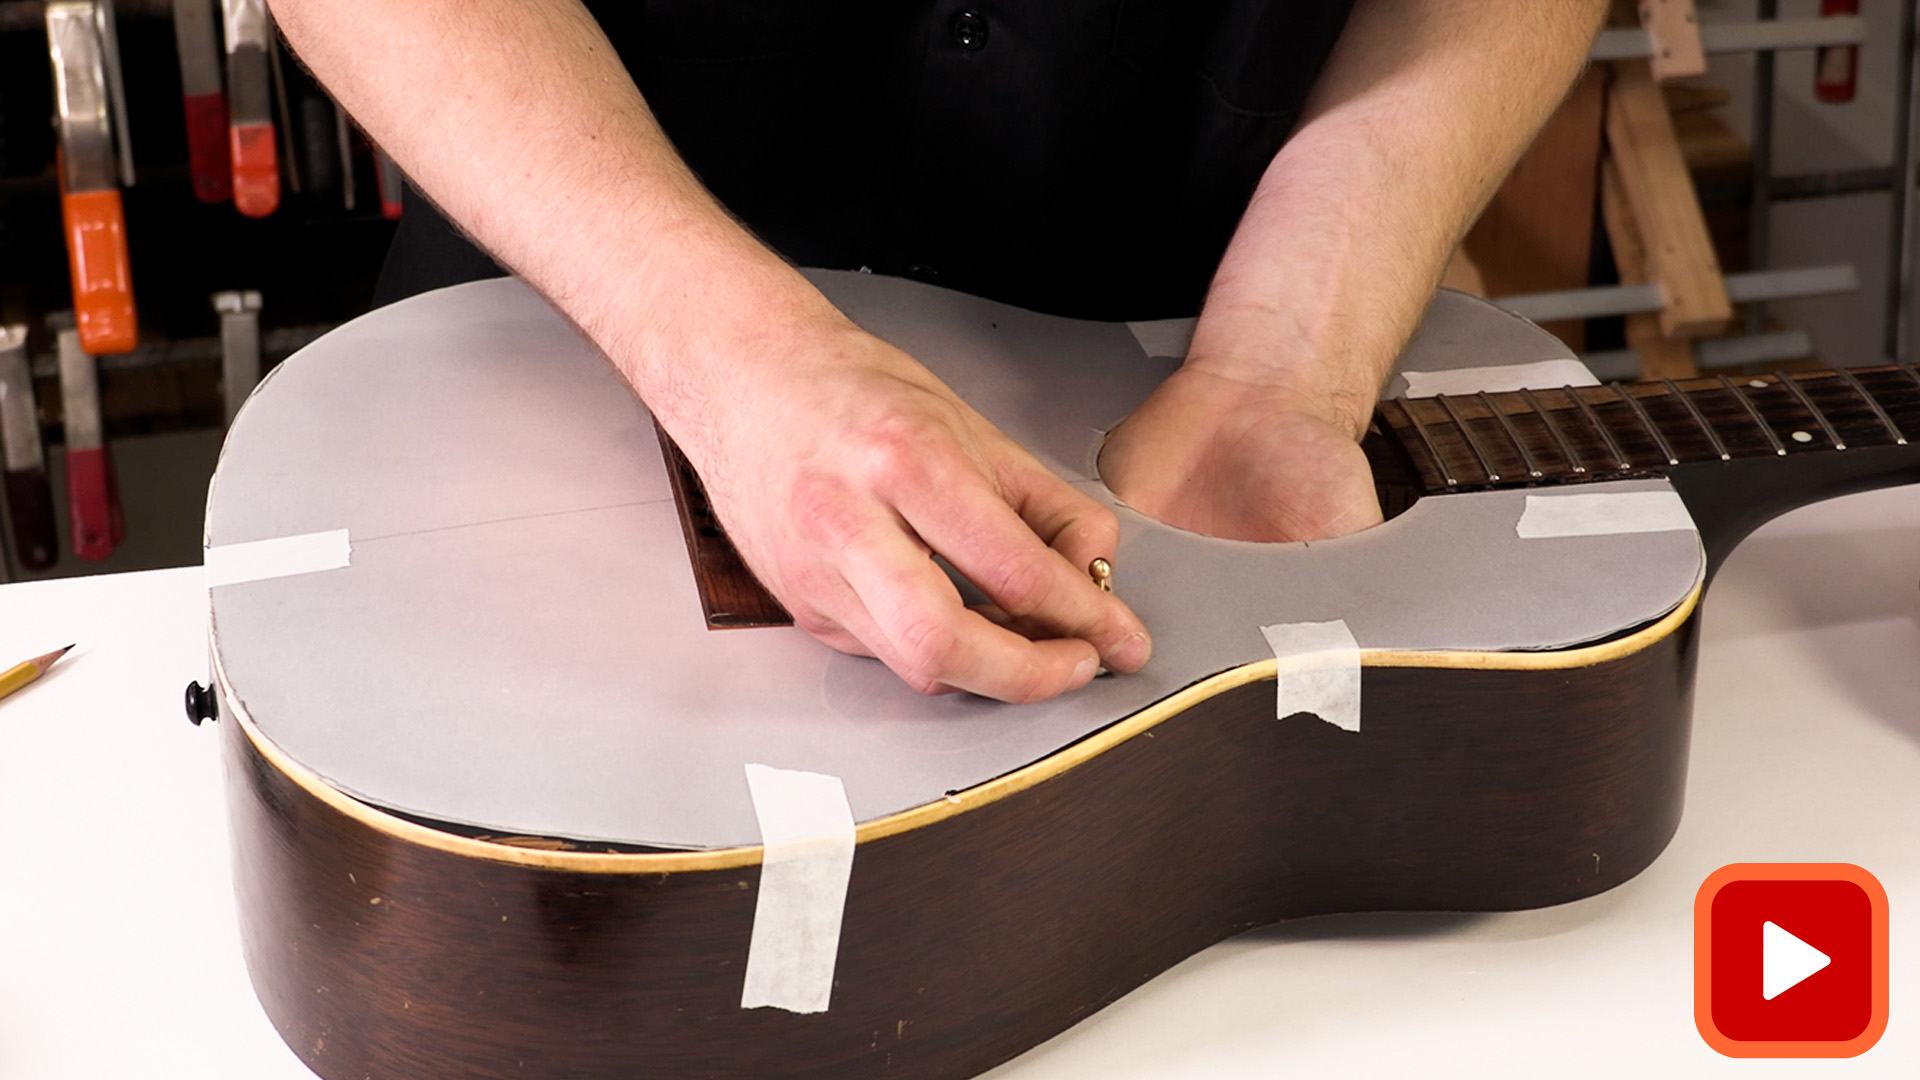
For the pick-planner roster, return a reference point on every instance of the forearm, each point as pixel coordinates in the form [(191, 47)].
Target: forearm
[(836, 461), (518, 119), (1422, 110)]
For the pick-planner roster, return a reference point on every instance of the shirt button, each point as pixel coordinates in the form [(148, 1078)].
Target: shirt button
[(970, 30)]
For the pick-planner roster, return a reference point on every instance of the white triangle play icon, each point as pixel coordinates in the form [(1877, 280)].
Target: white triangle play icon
[(1785, 960)]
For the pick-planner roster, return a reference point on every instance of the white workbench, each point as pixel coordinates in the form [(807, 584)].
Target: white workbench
[(119, 955)]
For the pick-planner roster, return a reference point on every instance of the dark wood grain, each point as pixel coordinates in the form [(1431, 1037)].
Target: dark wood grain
[(1582, 434), (730, 594), (972, 938), (1739, 451)]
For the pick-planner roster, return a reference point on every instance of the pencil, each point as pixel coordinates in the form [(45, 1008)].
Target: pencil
[(26, 671)]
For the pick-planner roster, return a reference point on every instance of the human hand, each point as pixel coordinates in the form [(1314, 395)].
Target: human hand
[(1246, 461), (846, 465)]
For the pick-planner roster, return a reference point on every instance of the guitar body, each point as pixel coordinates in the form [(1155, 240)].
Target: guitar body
[(488, 813), (382, 948)]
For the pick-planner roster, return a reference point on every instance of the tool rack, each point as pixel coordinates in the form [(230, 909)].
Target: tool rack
[(254, 217), (197, 209), (1672, 292)]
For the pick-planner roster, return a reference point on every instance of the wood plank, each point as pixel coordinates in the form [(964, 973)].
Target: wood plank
[(1661, 357), (1674, 28), (1694, 98), (1536, 235), (1653, 176)]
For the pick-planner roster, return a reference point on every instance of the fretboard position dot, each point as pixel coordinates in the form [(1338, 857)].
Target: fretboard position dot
[(1757, 384), (1803, 436)]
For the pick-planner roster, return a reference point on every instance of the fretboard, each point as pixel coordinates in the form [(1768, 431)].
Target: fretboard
[(1574, 434)]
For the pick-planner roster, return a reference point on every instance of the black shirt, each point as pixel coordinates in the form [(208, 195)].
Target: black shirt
[(1083, 157)]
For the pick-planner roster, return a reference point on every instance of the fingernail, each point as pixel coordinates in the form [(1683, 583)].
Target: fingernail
[(1083, 673), (1131, 654)]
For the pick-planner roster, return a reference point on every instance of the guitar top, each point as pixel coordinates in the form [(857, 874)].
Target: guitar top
[(517, 644)]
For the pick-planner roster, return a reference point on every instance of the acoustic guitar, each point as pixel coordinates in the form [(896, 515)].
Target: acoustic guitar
[(507, 767)]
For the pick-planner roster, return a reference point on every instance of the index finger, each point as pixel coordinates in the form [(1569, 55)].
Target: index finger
[(915, 622), (976, 530)]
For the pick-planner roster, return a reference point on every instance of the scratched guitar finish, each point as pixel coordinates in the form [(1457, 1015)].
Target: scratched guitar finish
[(518, 645)]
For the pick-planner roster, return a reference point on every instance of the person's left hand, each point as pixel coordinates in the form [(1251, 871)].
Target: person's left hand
[(1246, 461)]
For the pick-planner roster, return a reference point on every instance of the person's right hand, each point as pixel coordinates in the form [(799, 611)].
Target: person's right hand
[(840, 466), (836, 462)]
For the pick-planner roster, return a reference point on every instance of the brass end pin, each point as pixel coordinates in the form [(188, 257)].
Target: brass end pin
[(1102, 572)]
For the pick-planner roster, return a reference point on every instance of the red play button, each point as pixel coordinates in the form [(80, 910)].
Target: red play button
[(1790, 960)]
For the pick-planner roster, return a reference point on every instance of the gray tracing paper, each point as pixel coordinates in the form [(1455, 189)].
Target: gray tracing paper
[(517, 643)]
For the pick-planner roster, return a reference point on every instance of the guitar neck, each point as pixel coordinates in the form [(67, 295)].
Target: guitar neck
[(1741, 449)]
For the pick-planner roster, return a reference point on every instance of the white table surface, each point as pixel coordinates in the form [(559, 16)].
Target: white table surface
[(119, 955)]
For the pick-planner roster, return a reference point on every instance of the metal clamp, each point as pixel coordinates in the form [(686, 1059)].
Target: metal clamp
[(239, 345), (93, 155)]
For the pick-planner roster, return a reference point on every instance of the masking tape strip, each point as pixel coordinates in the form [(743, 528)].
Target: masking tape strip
[(283, 556), (1603, 514), (1319, 671), (807, 829), (1544, 375), (1164, 337)]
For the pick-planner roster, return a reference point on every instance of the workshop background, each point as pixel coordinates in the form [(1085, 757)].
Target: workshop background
[(317, 227)]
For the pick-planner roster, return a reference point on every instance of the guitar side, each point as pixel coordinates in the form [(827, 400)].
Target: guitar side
[(979, 925)]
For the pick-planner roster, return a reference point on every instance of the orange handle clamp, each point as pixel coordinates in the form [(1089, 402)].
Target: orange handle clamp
[(102, 277), (256, 169)]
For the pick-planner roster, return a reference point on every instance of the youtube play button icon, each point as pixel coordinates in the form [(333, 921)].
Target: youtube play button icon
[(1790, 960), (1785, 961)]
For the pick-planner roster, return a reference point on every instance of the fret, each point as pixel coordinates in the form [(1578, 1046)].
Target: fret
[(1874, 409), (1613, 447), (1646, 421), (1801, 393), (1513, 436), (1699, 418), (1765, 428), (1885, 420), (1553, 428), (1473, 441), (1426, 440)]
